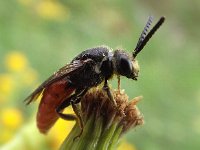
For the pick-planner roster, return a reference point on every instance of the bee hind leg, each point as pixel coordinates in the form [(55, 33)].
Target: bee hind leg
[(73, 100)]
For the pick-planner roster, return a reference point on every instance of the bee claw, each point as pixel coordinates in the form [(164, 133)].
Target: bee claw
[(78, 136)]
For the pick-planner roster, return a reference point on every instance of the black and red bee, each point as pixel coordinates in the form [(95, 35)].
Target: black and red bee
[(87, 70)]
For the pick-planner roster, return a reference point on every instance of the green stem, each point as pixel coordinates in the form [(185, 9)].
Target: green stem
[(96, 133), (93, 137), (115, 138), (89, 138), (106, 137), (82, 142)]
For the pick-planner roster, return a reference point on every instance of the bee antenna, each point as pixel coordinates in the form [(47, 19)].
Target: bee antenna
[(145, 35)]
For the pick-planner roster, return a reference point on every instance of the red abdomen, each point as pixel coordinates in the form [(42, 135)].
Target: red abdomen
[(53, 96)]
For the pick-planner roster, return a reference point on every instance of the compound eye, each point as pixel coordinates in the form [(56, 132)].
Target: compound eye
[(125, 66)]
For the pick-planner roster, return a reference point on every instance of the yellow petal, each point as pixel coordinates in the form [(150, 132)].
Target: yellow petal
[(124, 145), (48, 9), (15, 61), (6, 85), (6, 135), (25, 2), (11, 118)]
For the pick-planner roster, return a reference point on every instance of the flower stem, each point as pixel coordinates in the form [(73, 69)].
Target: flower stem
[(105, 139)]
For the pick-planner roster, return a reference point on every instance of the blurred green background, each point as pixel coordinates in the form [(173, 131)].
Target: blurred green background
[(39, 36)]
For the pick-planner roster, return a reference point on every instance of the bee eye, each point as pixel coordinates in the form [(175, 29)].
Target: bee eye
[(125, 66)]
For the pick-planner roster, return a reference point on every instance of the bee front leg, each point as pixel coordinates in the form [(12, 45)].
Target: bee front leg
[(110, 95), (119, 85)]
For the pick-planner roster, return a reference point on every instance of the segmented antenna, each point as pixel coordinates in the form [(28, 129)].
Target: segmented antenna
[(145, 36)]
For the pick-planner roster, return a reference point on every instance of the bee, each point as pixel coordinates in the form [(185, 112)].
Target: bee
[(87, 70)]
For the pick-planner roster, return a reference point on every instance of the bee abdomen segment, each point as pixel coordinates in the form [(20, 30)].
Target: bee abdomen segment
[(53, 96)]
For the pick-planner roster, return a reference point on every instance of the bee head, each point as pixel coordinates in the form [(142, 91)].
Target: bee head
[(125, 65)]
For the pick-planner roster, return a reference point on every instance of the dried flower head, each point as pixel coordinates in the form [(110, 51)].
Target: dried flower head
[(126, 113)]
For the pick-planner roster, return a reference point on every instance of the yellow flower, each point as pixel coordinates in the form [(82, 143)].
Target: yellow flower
[(6, 135), (49, 9), (16, 61), (61, 129), (124, 145), (6, 85), (11, 118), (25, 2)]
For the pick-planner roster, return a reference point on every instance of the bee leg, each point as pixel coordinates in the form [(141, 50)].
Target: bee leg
[(62, 106), (119, 85), (77, 111), (107, 89), (73, 100)]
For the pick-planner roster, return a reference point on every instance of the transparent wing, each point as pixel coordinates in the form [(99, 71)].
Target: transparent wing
[(65, 71)]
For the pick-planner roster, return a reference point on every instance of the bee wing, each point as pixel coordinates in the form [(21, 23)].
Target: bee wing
[(60, 74)]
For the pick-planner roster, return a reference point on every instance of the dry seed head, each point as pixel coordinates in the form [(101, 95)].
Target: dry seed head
[(96, 102)]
